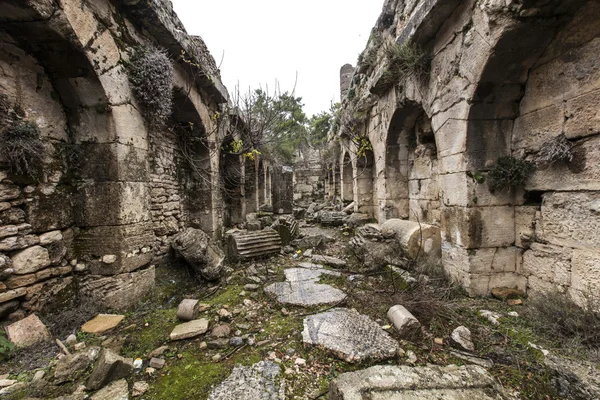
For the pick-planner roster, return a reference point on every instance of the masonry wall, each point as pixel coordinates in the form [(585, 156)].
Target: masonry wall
[(309, 176), (113, 190), (502, 80)]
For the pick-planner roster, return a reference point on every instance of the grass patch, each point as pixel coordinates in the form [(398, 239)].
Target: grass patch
[(143, 339)]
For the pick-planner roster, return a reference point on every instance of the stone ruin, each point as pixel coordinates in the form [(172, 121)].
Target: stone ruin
[(114, 190), (499, 78), (442, 92)]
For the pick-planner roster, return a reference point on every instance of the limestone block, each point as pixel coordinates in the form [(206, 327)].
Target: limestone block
[(424, 189), (549, 263), (457, 111), (585, 278), (114, 162), (415, 238), (18, 242), (451, 137), (103, 52), (494, 260), (12, 294), (189, 329), (563, 78), (27, 332), (525, 220), (50, 237), (9, 192), (254, 382), (115, 83), (130, 243), (479, 227), (417, 383), (130, 127), (119, 292), (571, 219), (109, 367), (72, 367), (453, 163), (102, 323), (584, 115), (30, 260), (483, 149), (579, 174), (113, 203), (536, 285), (81, 19), (50, 212), (405, 323), (188, 309), (118, 390), (482, 284), (533, 129)]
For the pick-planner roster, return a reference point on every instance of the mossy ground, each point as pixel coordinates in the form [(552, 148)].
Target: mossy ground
[(191, 371)]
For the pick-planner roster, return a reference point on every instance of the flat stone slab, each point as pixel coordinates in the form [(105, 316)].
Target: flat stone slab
[(189, 329), (331, 261), (102, 323), (302, 288), (351, 336), (256, 382), (27, 332), (386, 382)]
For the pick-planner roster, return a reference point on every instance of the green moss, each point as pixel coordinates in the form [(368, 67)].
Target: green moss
[(191, 377), (144, 338), (230, 295)]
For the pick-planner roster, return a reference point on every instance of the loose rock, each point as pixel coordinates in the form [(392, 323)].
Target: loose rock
[(404, 322), (27, 332), (349, 335), (461, 336), (102, 323), (109, 367), (188, 310), (189, 329), (256, 382)]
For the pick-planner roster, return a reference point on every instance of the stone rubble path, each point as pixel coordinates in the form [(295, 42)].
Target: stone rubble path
[(256, 382), (302, 288), (351, 336)]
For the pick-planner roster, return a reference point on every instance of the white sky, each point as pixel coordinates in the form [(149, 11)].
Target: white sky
[(268, 40)]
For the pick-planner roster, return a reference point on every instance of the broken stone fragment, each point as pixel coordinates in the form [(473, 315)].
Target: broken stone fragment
[(200, 253), (189, 329), (158, 352), (27, 332), (30, 260), (404, 322), (249, 245), (349, 335), (109, 367), (157, 363), (414, 238), (256, 382), (118, 390), (188, 310), (221, 331), (139, 388), (72, 367), (418, 383), (461, 336), (331, 261), (102, 323)]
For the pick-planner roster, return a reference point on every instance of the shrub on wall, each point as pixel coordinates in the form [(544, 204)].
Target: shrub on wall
[(509, 172), (407, 59), (22, 148), (556, 150), (151, 76)]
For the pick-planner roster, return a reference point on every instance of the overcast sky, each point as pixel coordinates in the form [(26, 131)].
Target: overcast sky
[(261, 41)]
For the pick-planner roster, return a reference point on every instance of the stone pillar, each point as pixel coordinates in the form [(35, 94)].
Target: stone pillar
[(345, 79), (282, 190)]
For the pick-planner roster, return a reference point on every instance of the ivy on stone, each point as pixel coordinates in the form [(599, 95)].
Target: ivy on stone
[(151, 77)]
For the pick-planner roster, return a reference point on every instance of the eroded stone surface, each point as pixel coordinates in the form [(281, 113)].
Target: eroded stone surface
[(351, 336), (256, 382), (27, 332), (189, 329), (102, 323), (302, 288), (416, 383)]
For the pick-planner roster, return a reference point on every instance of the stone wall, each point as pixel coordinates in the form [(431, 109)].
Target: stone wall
[(113, 189), (502, 78), (309, 176)]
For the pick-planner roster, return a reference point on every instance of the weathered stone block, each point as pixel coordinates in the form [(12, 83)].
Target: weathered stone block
[(571, 219), (585, 275), (109, 367), (549, 263), (584, 117), (30, 260), (119, 292), (533, 129), (27, 332), (479, 227)]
